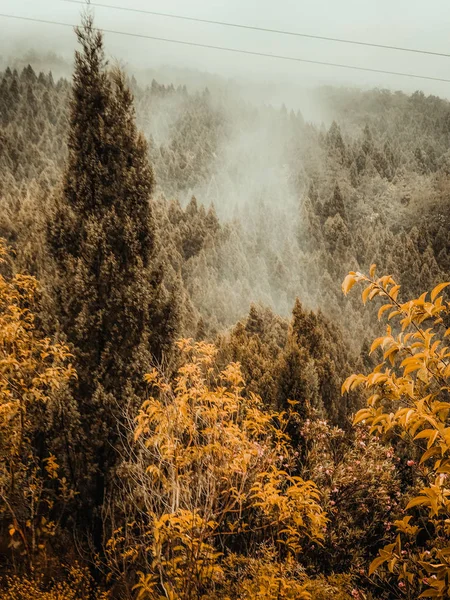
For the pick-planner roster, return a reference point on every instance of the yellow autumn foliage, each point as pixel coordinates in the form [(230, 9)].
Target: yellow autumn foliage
[(77, 585), (32, 367), (214, 479), (408, 395)]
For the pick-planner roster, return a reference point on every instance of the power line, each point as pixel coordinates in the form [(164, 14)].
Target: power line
[(233, 50), (264, 29)]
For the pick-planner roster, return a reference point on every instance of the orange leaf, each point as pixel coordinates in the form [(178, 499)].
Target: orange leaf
[(438, 289)]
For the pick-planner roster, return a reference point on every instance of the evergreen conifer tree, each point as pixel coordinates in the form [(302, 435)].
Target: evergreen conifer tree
[(110, 299), (334, 204)]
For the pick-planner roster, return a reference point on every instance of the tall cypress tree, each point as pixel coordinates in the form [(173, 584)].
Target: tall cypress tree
[(109, 294)]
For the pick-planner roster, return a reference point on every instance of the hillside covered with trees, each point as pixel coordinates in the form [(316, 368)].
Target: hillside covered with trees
[(192, 401)]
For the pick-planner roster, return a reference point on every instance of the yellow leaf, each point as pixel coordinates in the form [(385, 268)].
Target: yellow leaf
[(425, 433), (365, 293), (438, 289), (394, 291), (430, 594), (348, 283), (376, 343), (429, 453), (377, 562), (417, 501), (394, 313), (361, 415), (383, 309)]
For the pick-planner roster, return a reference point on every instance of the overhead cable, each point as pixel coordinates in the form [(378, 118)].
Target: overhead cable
[(263, 29), (233, 50)]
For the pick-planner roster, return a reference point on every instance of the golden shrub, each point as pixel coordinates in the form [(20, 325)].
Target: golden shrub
[(409, 397)]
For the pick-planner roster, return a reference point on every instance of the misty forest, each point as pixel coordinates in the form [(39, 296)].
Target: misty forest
[(224, 371)]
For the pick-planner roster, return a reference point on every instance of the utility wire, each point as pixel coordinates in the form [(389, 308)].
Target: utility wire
[(255, 28), (234, 50)]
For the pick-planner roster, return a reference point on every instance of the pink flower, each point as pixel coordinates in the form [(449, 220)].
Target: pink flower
[(410, 463), (332, 502), (401, 584)]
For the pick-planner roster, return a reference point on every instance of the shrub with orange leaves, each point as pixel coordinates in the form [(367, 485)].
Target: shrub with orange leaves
[(409, 397), (210, 474), (77, 585), (32, 367)]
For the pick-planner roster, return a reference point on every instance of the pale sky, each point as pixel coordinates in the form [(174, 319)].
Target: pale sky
[(411, 23)]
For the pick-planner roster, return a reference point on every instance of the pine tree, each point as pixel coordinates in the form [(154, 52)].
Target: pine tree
[(367, 143), (334, 204), (110, 298), (328, 354), (297, 379), (335, 142)]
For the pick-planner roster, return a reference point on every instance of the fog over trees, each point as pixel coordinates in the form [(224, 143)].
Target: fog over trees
[(194, 401)]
